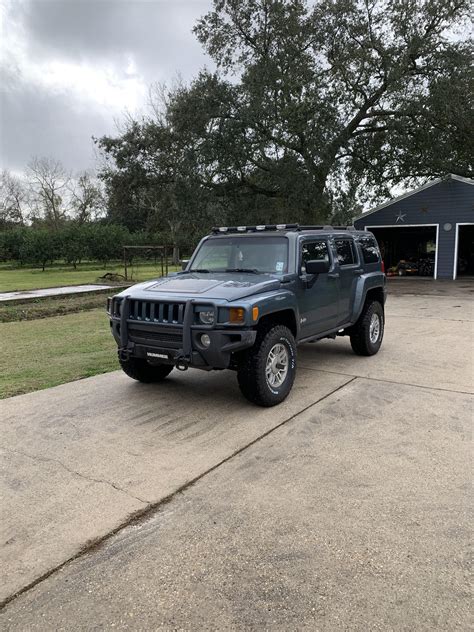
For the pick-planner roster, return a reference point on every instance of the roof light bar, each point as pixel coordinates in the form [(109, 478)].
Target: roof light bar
[(274, 227)]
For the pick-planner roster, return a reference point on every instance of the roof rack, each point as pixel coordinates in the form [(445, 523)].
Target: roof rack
[(328, 227), (274, 227)]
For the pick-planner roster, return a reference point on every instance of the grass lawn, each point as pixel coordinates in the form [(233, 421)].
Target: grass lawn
[(15, 278), (40, 353), (53, 306)]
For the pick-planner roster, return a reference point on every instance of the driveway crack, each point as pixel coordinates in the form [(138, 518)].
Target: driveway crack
[(104, 481)]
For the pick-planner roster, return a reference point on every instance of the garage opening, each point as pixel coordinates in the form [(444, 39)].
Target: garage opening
[(407, 250), (465, 262)]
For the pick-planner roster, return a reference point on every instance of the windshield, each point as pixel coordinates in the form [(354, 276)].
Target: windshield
[(225, 254)]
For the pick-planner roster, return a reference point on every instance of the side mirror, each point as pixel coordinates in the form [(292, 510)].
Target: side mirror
[(317, 267), (184, 264)]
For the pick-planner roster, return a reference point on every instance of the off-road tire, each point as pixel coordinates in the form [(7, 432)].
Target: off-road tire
[(252, 363), (360, 332), (140, 370)]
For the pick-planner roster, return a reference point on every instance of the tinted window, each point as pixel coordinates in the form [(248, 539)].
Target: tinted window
[(345, 252), (314, 251), (370, 250)]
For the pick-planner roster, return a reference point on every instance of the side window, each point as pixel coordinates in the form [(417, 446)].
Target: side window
[(314, 251), (345, 252), (370, 250)]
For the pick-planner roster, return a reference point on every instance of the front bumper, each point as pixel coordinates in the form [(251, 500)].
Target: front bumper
[(179, 345)]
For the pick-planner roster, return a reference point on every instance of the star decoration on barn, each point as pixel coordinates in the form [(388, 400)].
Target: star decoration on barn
[(400, 217), (424, 209)]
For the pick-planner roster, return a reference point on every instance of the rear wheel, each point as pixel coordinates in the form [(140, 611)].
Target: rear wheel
[(367, 333), (140, 370), (267, 371)]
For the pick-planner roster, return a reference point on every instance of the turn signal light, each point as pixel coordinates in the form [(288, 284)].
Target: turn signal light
[(237, 315), (255, 313)]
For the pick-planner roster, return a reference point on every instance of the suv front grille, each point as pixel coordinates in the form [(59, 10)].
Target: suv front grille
[(152, 312)]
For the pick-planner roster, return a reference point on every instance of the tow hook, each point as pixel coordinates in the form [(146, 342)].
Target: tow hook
[(123, 354), (182, 364)]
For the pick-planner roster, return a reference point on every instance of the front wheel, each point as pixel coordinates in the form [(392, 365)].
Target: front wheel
[(367, 333), (267, 371), (140, 370)]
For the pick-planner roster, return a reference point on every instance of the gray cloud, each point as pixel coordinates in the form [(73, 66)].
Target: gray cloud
[(36, 122), (156, 32), (123, 46)]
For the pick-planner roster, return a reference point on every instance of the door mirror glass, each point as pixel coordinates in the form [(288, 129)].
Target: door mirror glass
[(317, 267)]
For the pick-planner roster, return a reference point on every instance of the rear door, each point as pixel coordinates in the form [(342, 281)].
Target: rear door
[(350, 268), (318, 297)]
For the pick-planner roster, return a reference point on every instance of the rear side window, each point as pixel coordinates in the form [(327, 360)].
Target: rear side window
[(345, 252), (314, 251), (370, 250)]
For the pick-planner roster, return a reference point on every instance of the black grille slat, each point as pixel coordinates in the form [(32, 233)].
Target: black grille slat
[(154, 312)]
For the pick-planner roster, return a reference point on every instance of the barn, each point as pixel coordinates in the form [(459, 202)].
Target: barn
[(428, 231)]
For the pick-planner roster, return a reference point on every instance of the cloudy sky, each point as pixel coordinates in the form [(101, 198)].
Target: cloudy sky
[(70, 68)]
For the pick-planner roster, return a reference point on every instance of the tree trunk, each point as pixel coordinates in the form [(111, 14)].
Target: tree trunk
[(175, 257)]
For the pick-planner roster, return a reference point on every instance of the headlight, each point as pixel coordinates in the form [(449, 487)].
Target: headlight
[(207, 317)]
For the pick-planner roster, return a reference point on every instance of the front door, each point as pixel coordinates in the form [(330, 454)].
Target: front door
[(318, 293), (349, 270)]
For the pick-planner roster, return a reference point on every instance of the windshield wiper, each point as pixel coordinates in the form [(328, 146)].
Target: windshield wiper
[(197, 270), (250, 270)]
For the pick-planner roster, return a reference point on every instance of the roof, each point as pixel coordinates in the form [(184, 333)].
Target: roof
[(427, 185), (270, 230)]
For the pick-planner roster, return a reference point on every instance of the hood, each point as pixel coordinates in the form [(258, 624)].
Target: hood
[(219, 285)]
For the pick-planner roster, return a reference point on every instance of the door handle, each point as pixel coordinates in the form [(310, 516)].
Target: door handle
[(333, 275), (358, 271)]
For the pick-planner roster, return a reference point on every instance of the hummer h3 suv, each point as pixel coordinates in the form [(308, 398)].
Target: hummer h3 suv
[(247, 297)]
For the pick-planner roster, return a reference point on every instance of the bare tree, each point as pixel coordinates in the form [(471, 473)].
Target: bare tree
[(13, 199), (87, 200), (159, 98), (49, 183)]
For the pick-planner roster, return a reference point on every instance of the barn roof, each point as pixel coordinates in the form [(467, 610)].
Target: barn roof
[(427, 185)]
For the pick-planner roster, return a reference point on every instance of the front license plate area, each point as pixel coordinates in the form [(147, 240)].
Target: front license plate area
[(158, 355)]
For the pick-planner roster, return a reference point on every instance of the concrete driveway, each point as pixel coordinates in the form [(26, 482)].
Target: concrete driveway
[(345, 507)]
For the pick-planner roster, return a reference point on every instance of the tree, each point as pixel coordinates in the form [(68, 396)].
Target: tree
[(344, 91), (13, 200), (87, 200), (315, 108), (106, 242), (49, 184), (74, 243), (40, 246), (153, 181), (11, 243)]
